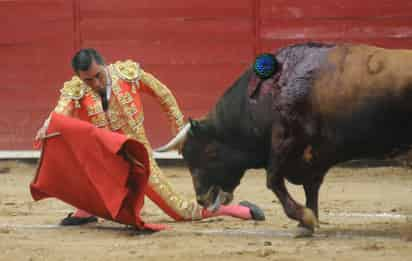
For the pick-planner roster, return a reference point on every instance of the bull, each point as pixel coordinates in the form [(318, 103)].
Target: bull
[(323, 105)]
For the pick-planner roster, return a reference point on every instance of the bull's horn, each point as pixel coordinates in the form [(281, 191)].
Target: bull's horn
[(176, 140)]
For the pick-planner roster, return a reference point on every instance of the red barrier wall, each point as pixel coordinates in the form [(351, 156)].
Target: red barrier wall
[(197, 47)]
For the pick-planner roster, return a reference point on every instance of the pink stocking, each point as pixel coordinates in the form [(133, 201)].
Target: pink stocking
[(230, 210)]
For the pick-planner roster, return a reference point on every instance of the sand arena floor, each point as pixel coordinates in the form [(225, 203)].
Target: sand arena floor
[(365, 213)]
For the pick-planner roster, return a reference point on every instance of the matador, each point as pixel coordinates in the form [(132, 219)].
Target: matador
[(108, 96)]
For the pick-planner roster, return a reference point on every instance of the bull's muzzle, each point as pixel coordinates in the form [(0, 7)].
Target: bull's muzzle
[(214, 198)]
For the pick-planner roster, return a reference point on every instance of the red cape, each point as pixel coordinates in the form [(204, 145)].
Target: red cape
[(81, 167)]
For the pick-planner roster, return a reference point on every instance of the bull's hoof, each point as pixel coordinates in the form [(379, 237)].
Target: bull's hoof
[(303, 232), (309, 220)]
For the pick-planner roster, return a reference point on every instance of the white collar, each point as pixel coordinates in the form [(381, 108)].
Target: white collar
[(108, 83)]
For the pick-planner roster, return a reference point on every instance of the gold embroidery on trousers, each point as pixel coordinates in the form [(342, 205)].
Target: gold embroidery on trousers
[(185, 208), (129, 113)]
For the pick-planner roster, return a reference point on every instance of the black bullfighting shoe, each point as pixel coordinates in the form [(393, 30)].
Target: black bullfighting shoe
[(76, 221), (256, 212)]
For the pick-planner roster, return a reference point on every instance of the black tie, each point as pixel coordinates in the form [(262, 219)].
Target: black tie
[(105, 103)]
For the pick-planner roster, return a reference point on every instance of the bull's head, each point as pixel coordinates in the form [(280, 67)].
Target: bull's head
[(216, 167)]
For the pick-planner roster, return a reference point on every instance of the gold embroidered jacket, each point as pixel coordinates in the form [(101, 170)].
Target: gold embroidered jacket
[(125, 109)]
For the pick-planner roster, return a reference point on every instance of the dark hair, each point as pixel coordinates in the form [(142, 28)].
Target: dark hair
[(83, 59)]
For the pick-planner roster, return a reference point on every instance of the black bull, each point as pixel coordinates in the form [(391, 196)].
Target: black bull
[(326, 104)]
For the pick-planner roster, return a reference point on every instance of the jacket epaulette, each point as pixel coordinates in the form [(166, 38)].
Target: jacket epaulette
[(73, 89), (127, 70)]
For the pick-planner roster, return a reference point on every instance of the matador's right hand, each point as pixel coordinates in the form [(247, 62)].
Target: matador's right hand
[(41, 133)]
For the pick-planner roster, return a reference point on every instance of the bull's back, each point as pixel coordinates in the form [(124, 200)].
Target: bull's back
[(363, 95)]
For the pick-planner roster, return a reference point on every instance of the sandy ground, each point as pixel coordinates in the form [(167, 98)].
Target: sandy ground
[(366, 214)]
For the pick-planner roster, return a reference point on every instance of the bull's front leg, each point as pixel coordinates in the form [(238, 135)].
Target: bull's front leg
[(281, 145), (294, 210)]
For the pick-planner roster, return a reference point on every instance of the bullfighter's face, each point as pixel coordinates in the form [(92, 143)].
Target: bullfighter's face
[(94, 77), (215, 172)]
